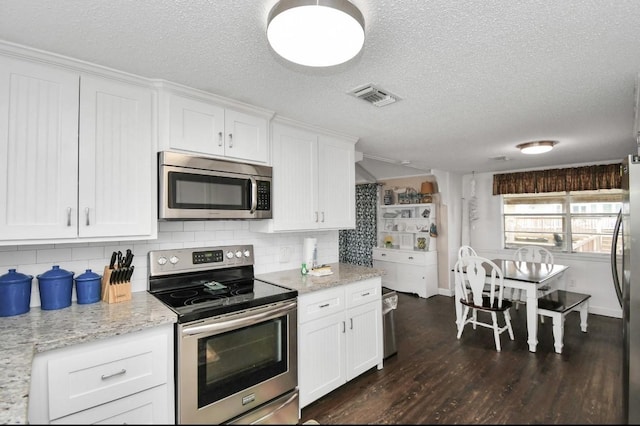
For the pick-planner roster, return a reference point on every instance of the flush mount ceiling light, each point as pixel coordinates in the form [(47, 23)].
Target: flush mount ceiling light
[(537, 147), (316, 33)]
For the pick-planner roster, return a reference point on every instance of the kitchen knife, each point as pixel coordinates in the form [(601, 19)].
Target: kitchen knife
[(112, 263), (128, 258), (129, 273)]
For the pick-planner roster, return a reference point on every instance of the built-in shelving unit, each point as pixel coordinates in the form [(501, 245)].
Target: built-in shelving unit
[(406, 226)]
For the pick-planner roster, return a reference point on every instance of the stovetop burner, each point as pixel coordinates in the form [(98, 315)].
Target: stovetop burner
[(210, 282)]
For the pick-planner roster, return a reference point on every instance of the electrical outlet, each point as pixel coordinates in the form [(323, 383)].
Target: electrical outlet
[(572, 283), (285, 253)]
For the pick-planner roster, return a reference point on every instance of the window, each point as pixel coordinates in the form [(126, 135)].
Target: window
[(576, 221)]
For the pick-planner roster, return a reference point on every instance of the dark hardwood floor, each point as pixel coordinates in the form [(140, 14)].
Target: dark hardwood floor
[(435, 378)]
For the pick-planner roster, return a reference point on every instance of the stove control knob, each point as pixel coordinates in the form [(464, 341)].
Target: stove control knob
[(229, 255), (173, 260), (247, 253), (162, 260), (238, 254)]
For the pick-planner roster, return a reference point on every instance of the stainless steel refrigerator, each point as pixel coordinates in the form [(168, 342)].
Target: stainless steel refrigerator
[(626, 278)]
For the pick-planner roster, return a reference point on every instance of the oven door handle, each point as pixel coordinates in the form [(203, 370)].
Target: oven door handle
[(232, 324)]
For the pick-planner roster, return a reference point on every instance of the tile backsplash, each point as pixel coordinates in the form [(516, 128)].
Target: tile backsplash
[(273, 252)]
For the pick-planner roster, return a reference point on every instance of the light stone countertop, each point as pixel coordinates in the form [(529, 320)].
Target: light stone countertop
[(343, 273), (23, 336)]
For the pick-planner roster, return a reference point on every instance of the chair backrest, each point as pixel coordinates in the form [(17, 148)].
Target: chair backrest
[(533, 254), (465, 251), (472, 275)]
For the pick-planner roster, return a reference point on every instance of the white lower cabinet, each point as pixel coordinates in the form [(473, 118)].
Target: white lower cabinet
[(408, 271), (339, 336), (123, 379)]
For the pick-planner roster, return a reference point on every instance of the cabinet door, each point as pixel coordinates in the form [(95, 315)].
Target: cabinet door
[(116, 178), (389, 278), (246, 137), (38, 150), (411, 279), (295, 184), (364, 338), (321, 357), (196, 126), (336, 184)]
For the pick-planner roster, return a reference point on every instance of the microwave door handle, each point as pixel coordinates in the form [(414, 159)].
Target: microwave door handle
[(254, 195)]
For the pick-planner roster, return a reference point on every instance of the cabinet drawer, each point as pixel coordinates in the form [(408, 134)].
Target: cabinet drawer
[(153, 406), (363, 292), (320, 304), (408, 257), (92, 374)]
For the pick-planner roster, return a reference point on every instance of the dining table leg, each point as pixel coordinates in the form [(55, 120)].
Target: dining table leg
[(532, 317)]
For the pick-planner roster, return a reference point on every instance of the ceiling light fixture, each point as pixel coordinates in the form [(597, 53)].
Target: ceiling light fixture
[(316, 33), (536, 147)]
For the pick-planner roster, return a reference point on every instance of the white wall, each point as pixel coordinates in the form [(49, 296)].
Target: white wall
[(273, 252), (587, 273)]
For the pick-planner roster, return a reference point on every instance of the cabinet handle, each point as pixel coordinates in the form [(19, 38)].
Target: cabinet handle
[(86, 212), (351, 321), (316, 217), (410, 257), (344, 327), (68, 216), (364, 294), (119, 373), (230, 140), (322, 217), (219, 138), (383, 254), (324, 306)]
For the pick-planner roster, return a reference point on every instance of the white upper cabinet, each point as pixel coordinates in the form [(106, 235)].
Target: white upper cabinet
[(77, 153), (206, 124), (38, 150), (313, 180), (116, 166)]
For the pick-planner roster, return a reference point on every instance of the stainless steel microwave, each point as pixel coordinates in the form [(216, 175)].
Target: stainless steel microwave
[(192, 187)]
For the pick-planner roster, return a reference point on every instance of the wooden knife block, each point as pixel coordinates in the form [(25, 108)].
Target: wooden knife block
[(114, 293)]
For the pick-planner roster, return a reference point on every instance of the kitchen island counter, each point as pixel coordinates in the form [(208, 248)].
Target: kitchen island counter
[(23, 336), (343, 273)]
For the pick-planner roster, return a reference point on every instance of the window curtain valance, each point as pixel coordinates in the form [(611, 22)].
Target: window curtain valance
[(586, 178)]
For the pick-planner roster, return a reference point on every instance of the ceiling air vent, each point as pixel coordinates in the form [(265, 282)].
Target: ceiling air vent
[(374, 95)]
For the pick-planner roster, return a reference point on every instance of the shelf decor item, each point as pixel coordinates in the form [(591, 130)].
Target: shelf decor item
[(406, 241), (426, 189), (405, 213), (421, 243)]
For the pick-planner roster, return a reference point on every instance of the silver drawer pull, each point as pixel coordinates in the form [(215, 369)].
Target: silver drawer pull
[(365, 294), (119, 373), (324, 306)]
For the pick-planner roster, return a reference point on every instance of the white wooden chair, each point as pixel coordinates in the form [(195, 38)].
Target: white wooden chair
[(557, 305), (531, 254), (471, 277), (465, 251)]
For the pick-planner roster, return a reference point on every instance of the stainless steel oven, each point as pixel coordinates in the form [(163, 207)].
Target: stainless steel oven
[(236, 337), (194, 187)]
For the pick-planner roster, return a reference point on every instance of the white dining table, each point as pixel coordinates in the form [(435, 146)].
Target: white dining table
[(527, 276)]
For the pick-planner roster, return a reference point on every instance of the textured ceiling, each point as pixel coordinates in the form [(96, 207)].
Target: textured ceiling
[(475, 78)]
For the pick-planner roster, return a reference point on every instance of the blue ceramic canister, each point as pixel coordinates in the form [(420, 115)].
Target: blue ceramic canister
[(15, 293), (88, 287), (55, 287)]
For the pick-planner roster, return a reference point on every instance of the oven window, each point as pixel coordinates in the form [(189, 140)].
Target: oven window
[(239, 359), (194, 191)]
